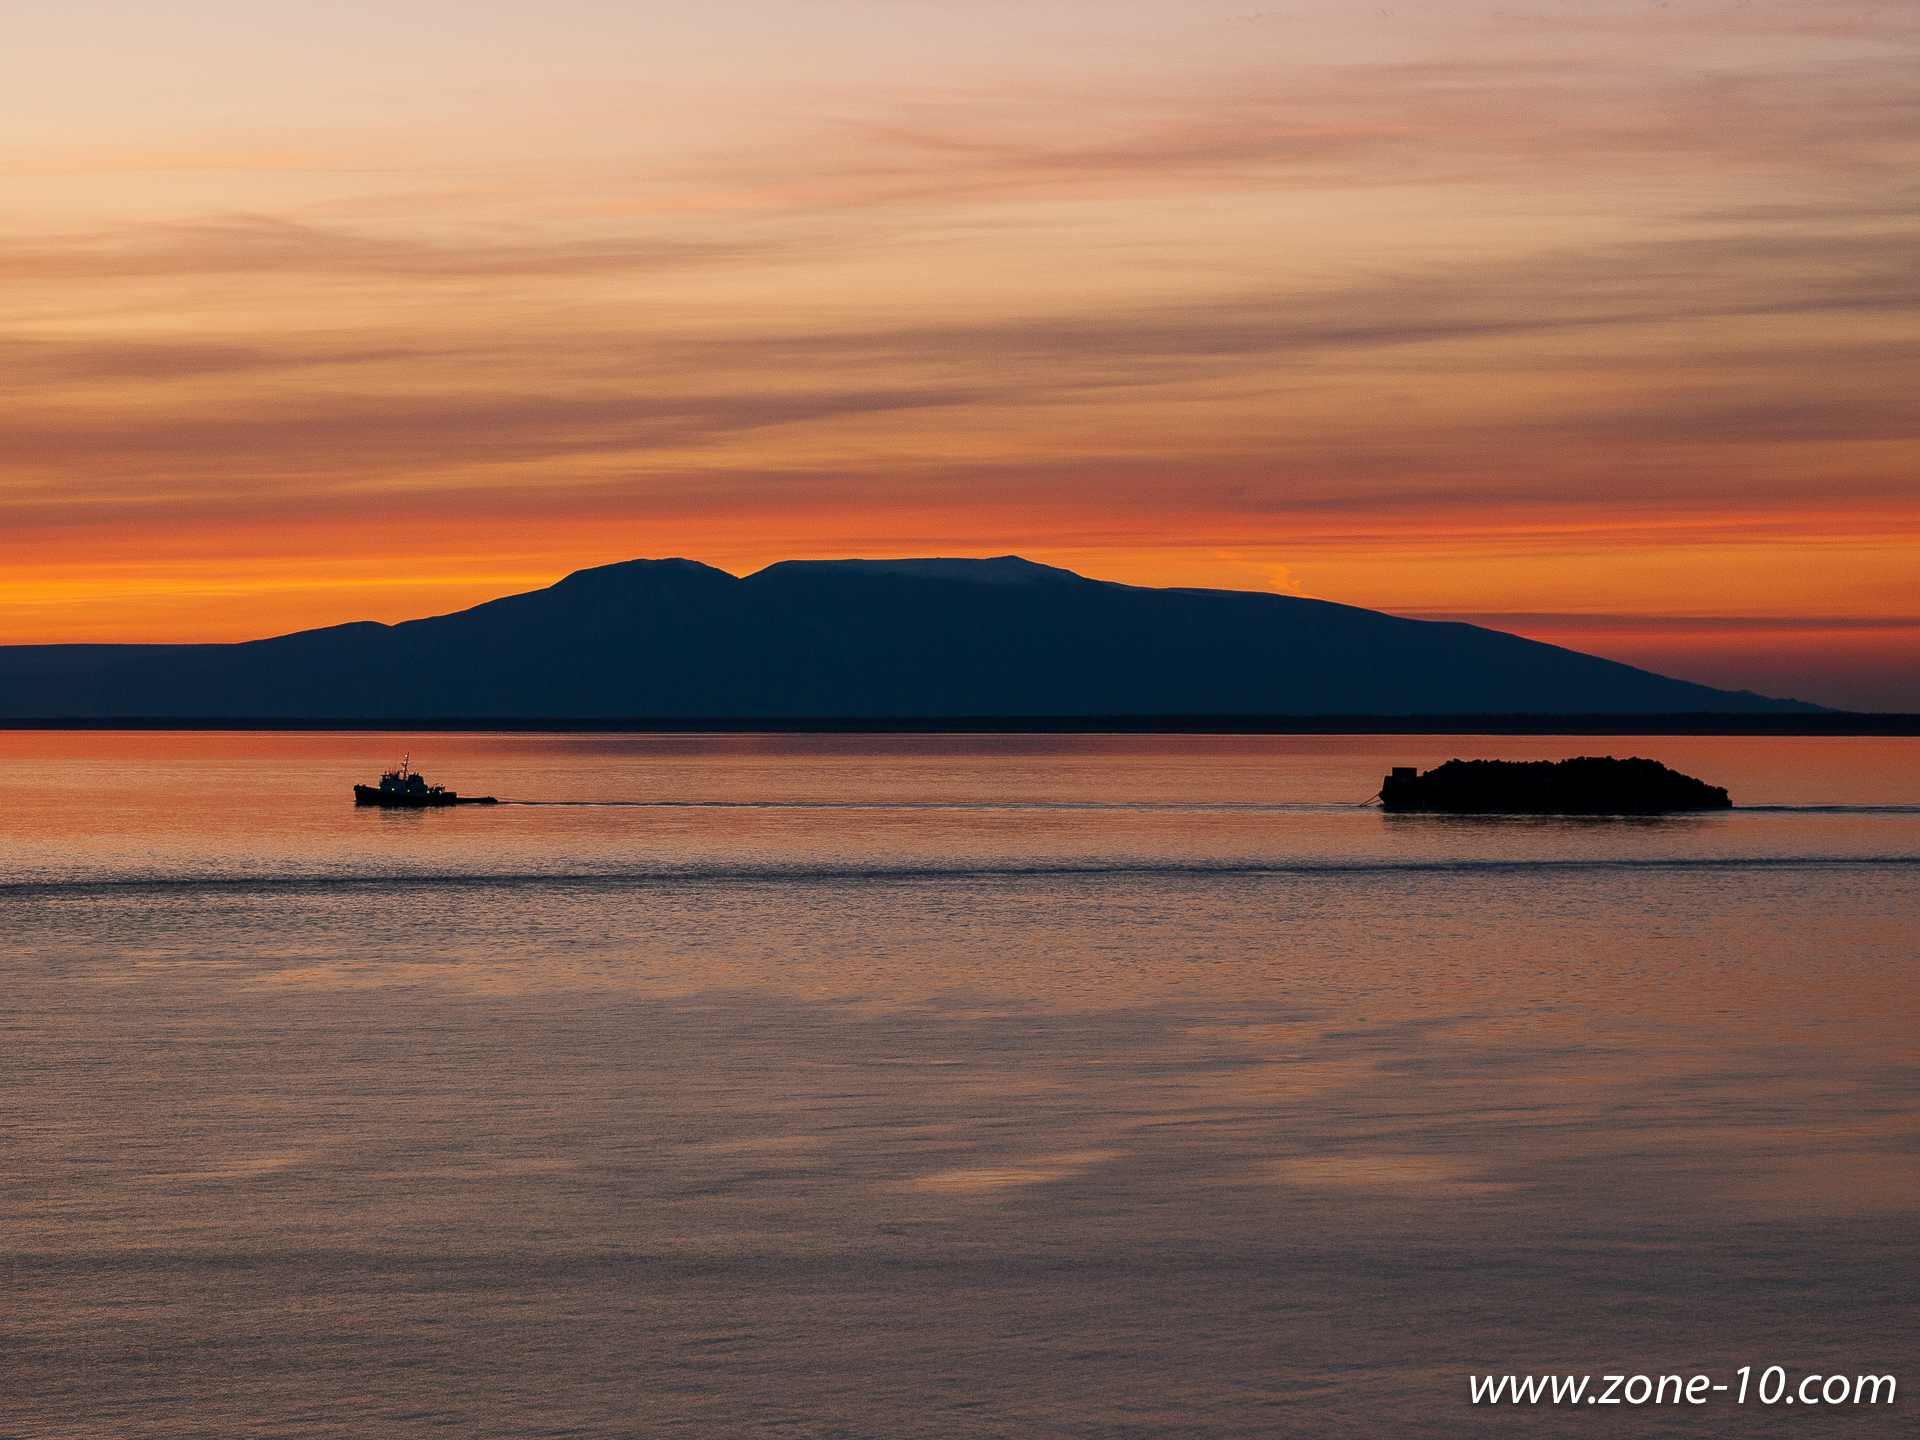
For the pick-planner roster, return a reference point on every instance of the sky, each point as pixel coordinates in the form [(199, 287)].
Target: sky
[(1593, 320)]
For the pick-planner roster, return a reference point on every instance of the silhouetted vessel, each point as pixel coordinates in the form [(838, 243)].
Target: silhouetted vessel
[(1588, 785), (405, 788)]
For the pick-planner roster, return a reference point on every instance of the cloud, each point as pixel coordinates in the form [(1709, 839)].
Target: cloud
[(1671, 341), (1276, 123), (253, 245)]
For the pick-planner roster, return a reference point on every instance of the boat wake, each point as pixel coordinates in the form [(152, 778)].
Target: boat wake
[(827, 873)]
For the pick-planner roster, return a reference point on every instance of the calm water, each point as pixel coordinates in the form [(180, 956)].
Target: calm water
[(942, 1086)]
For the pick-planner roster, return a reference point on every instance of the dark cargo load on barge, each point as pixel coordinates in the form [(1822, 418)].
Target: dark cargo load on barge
[(1588, 785)]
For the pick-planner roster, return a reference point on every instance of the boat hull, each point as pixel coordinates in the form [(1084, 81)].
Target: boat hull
[(399, 800)]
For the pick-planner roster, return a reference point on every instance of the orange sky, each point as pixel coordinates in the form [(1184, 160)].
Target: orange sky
[(1595, 319)]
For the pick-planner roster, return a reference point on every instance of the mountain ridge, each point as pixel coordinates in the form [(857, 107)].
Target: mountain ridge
[(934, 636)]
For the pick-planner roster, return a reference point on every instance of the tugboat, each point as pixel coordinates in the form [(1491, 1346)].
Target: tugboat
[(407, 788), (1587, 785)]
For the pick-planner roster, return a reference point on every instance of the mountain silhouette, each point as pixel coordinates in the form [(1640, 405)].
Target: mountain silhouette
[(675, 638)]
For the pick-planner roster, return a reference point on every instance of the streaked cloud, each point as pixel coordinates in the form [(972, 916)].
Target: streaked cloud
[(251, 245)]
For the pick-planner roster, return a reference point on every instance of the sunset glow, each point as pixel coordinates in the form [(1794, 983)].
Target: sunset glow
[(1593, 321)]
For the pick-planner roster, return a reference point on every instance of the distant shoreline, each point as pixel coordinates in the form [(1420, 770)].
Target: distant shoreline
[(1705, 723)]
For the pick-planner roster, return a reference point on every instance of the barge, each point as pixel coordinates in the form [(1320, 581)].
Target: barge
[(1585, 785)]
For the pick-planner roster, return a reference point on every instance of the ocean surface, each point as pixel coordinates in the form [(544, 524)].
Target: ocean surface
[(1116, 1086)]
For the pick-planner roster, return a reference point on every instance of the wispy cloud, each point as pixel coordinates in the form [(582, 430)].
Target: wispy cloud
[(252, 245), (1627, 311)]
